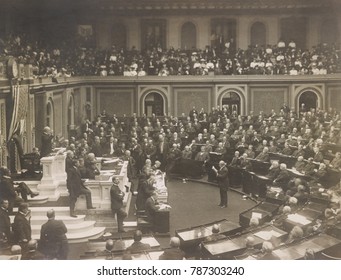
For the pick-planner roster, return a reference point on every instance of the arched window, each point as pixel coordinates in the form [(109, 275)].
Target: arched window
[(188, 36), (50, 114), (329, 32), (258, 34), (119, 36)]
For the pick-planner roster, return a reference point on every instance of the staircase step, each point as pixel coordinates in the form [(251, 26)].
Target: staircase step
[(81, 237), (72, 228), (38, 200), (41, 211), (39, 220)]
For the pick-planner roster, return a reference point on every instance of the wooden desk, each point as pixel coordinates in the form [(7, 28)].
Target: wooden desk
[(122, 244), (265, 210), (191, 237), (228, 248), (297, 251)]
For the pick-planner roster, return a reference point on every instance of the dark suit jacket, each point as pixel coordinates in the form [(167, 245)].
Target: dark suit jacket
[(46, 144), (97, 150), (263, 157), (222, 178), (68, 163), (162, 156), (21, 228), (53, 241), (116, 196), (283, 177), (53, 231), (74, 182), (7, 190), (172, 254), (5, 223), (151, 207), (273, 173), (138, 247)]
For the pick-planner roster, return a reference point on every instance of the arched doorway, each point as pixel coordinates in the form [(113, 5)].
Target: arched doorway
[(309, 99), (258, 34), (154, 104), (50, 114), (231, 100), (188, 36)]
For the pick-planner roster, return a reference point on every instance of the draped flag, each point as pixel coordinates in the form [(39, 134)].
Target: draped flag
[(20, 104)]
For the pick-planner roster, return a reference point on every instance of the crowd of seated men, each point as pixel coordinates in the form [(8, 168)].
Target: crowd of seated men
[(312, 137), (72, 58)]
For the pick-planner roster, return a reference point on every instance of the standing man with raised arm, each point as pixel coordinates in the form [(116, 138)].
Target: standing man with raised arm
[(223, 182)]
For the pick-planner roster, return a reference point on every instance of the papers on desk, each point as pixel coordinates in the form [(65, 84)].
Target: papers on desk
[(164, 207), (111, 160), (148, 240), (296, 218), (267, 235), (292, 170), (275, 189), (256, 215)]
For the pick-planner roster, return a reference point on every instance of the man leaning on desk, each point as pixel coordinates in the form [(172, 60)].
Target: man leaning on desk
[(152, 207)]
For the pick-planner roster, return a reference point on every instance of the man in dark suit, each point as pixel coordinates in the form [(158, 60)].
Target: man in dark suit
[(162, 151), (264, 155), (97, 147), (145, 190), (53, 240), (5, 222), (69, 160), (46, 142), (76, 187), (174, 252), (116, 196), (138, 246), (223, 182), (274, 170), (152, 207), (283, 177), (22, 226), (10, 193)]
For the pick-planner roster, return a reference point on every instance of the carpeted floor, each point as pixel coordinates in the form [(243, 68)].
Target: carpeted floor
[(196, 203)]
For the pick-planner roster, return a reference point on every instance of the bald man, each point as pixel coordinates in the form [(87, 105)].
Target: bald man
[(174, 252), (53, 240), (223, 182)]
